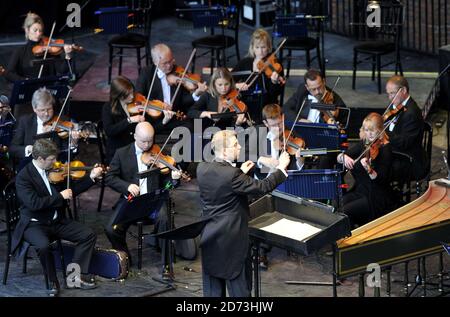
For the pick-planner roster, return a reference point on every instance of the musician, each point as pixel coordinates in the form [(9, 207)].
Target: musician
[(31, 125), (163, 90), (21, 66), (223, 192), (118, 124), (42, 217), (210, 103), (271, 88), (314, 91), (370, 197), (122, 177), (406, 131), (7, 122)]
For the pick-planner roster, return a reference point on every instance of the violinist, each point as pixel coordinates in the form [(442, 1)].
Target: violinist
[(20, 66), (316, 91), (42, 216), (31, 125), (118, 124), (216, 101), (271, 135), (271, 87), (164, 89), (123, 178), (369, 162), (406, 131)]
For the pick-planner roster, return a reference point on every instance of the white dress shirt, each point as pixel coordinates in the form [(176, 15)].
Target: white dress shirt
[(44, 177), (165, 86), (141, 167), (314, 114), (393, 123)]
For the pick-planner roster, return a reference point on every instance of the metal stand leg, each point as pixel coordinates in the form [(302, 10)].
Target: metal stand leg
[(255, 258), (406, 285), (361, 291), (424, 278), (388, 285)]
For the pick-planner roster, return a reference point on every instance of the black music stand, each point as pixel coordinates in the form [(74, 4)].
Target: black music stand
[(113, 20), (23, 90)]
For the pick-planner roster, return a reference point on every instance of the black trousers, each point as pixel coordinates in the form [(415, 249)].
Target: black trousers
[(357, 208), (117, 233), (41, 235)]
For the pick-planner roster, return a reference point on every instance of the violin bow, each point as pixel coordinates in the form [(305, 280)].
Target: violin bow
[(374, 140), (265, 64), (61, 111), (46, 49), (159, 154), (182, 76), (295, 121), (391, 103), (331, 92), (151, 88)]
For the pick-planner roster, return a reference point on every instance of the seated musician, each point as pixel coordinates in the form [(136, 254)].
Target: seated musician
[(7, 122), (406, 131), (164, 88), (41, 121), (271, 87), (273, 119), (123, 178), (20, 66), (118, 123), (42, 216), (316, 91), (213, 102), (370, 197)]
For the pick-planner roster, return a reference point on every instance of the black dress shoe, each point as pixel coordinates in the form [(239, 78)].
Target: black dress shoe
[(82, 284), (263, 262)]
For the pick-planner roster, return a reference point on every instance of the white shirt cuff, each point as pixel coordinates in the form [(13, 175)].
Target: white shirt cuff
[(284, 172), (195, 97)]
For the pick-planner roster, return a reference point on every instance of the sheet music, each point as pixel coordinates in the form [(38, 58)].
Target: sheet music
[(292, 229)]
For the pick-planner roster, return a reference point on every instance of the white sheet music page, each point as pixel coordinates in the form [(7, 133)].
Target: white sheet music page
[(292, 229)]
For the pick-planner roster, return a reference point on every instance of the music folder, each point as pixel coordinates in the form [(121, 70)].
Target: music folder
[(323, 106), (46, 135), (139, 207), (185, 232), (225, 115)]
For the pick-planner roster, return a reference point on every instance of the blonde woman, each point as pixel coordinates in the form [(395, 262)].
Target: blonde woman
[(370, 198)]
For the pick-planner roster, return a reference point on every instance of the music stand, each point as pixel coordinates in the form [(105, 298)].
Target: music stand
[(23, 90)]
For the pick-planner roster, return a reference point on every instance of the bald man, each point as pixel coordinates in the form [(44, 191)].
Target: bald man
[(164, 64), (123, 178)]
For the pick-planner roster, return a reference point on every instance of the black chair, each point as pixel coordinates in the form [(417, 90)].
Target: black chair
[(12, 215), (216, 44), (380, 41), (140, 38), (297, 30)]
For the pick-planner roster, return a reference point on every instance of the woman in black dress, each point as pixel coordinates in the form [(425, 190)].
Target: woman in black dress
[(211, 102), (20, 65), (370, 197), (271, 88), (118, 124)]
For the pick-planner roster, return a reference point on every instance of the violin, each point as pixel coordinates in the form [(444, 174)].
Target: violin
[(164, 162), (293, 144), (60, 171), (270, 64), (231, 102), (393, 112), (64, 127), (155, 107), (56, 47), (189, 81), (329, 116)]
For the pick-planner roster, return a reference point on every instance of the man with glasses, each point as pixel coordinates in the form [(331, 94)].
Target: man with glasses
[(7, 121), (406, 131), (164, 89), (38, 122), (314, 90)]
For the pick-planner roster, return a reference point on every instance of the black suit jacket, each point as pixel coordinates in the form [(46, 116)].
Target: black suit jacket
[(292, 106), (223, 192), (407, 136), (183, 99), (25, 134), (36, 202), (123, 171)]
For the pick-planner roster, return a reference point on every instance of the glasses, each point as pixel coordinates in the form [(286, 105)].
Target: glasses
[(392, 94), (44, 110)]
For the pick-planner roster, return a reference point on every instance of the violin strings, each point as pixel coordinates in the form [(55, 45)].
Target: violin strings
[(46, 49)]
